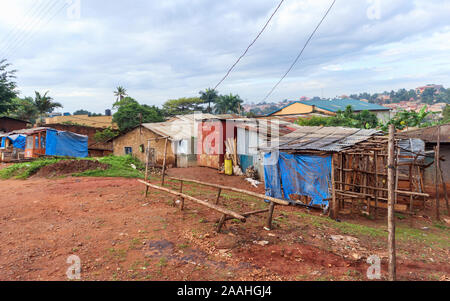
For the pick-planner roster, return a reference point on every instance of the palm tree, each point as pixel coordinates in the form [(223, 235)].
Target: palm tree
[(226, 104), (209, 96), (45, 104), (120, 93)]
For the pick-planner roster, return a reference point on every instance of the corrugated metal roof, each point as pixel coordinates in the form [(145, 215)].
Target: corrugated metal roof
[(265, 127), (341, 104), (332, 139), (178, 128), (428, 134), (25, 131)]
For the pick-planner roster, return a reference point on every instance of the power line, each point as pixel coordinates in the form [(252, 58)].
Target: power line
[(301, 52), (30, 36), (26, 25), (251, 44), (34, 26), (13, 31)]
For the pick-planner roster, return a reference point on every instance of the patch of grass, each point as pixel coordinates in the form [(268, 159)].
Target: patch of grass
[(135, 244), (23, 171), (118, 167), (118, 254), (162, 262)]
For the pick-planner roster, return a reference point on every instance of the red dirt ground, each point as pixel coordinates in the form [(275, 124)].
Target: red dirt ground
[(120, 235)]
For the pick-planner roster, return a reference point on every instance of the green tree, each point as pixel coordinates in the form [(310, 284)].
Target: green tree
[(227, 104), (120, 94), (7, 87), (182, 106), (81, 112), (129, 114), (24, 109), (105, 135), (406, 119), (45, 104), (446, 114), (209, 96)]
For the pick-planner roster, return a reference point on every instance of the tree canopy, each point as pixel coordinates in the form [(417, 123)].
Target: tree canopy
[(227, 104), (183, 106), (209, 96), (45, 104), (7, 87), (347, 118), (130, 111)]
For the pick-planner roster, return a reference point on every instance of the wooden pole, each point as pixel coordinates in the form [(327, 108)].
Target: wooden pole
[(436, 165), (257, 195), (147, 162), (218, 196), (444, 187), (270, 216), (375, 158), (391, 203), (182, 199), (204, 203), (164, 162), (334, 205)]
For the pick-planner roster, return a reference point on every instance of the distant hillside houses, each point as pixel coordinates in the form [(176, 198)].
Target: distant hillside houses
[(331, 107)]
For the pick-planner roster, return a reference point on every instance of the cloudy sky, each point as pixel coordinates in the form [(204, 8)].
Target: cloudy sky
[(80, 50)]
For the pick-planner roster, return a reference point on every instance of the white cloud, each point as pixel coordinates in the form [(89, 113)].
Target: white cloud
[(161, 50)]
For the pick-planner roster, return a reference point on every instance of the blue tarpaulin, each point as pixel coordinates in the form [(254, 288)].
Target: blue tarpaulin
[(66, 144), (301, 175), (3, 142), (18, 141)]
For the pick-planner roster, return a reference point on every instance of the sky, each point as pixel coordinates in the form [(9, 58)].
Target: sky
[(81, 50)]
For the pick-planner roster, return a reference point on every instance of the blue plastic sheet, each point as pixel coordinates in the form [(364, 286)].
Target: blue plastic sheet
[(299, 175), (18, 141), (3, 142), (272, 179), (66, 144)]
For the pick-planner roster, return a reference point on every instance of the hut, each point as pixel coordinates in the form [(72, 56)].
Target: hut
[(430, 136), (42, 141), (149, 139), (254, 133), (314, 166)]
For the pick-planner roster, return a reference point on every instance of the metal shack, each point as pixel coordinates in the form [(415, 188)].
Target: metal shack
[(212, 134)]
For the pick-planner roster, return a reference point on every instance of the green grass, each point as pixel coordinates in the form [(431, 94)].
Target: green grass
[(402, 233), (118, 167), (23, 171)]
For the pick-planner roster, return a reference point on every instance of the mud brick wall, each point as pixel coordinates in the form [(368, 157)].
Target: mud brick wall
[(140, 136)]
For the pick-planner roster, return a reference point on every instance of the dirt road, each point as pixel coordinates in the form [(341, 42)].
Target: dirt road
[(120, 235)]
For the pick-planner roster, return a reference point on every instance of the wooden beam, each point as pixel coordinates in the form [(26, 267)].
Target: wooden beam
[(334, 204), (270, 216), (251, 193), (204, 203), (164, 162), (391, 204), (436, 160)]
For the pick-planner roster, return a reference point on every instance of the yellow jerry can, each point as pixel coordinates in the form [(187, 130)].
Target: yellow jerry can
[(229, 167)]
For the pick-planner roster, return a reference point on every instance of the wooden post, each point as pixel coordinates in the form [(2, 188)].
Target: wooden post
[(164, 162), (221, 223), (182, 199), (436, 165), (375, 158), (270, 216), (147, 162), (391, 201), (444, 187), (218, 195), (334, 205)]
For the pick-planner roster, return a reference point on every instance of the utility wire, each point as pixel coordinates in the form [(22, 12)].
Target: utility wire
[(34, 26), (251, 44), (26, 25), (301, 52), (15, 29), (41, 24)]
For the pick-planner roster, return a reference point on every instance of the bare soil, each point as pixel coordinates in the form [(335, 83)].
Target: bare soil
[(68, 167), (121, 235)]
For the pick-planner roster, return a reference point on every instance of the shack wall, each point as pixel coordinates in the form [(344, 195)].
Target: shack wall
[(137, 139)]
